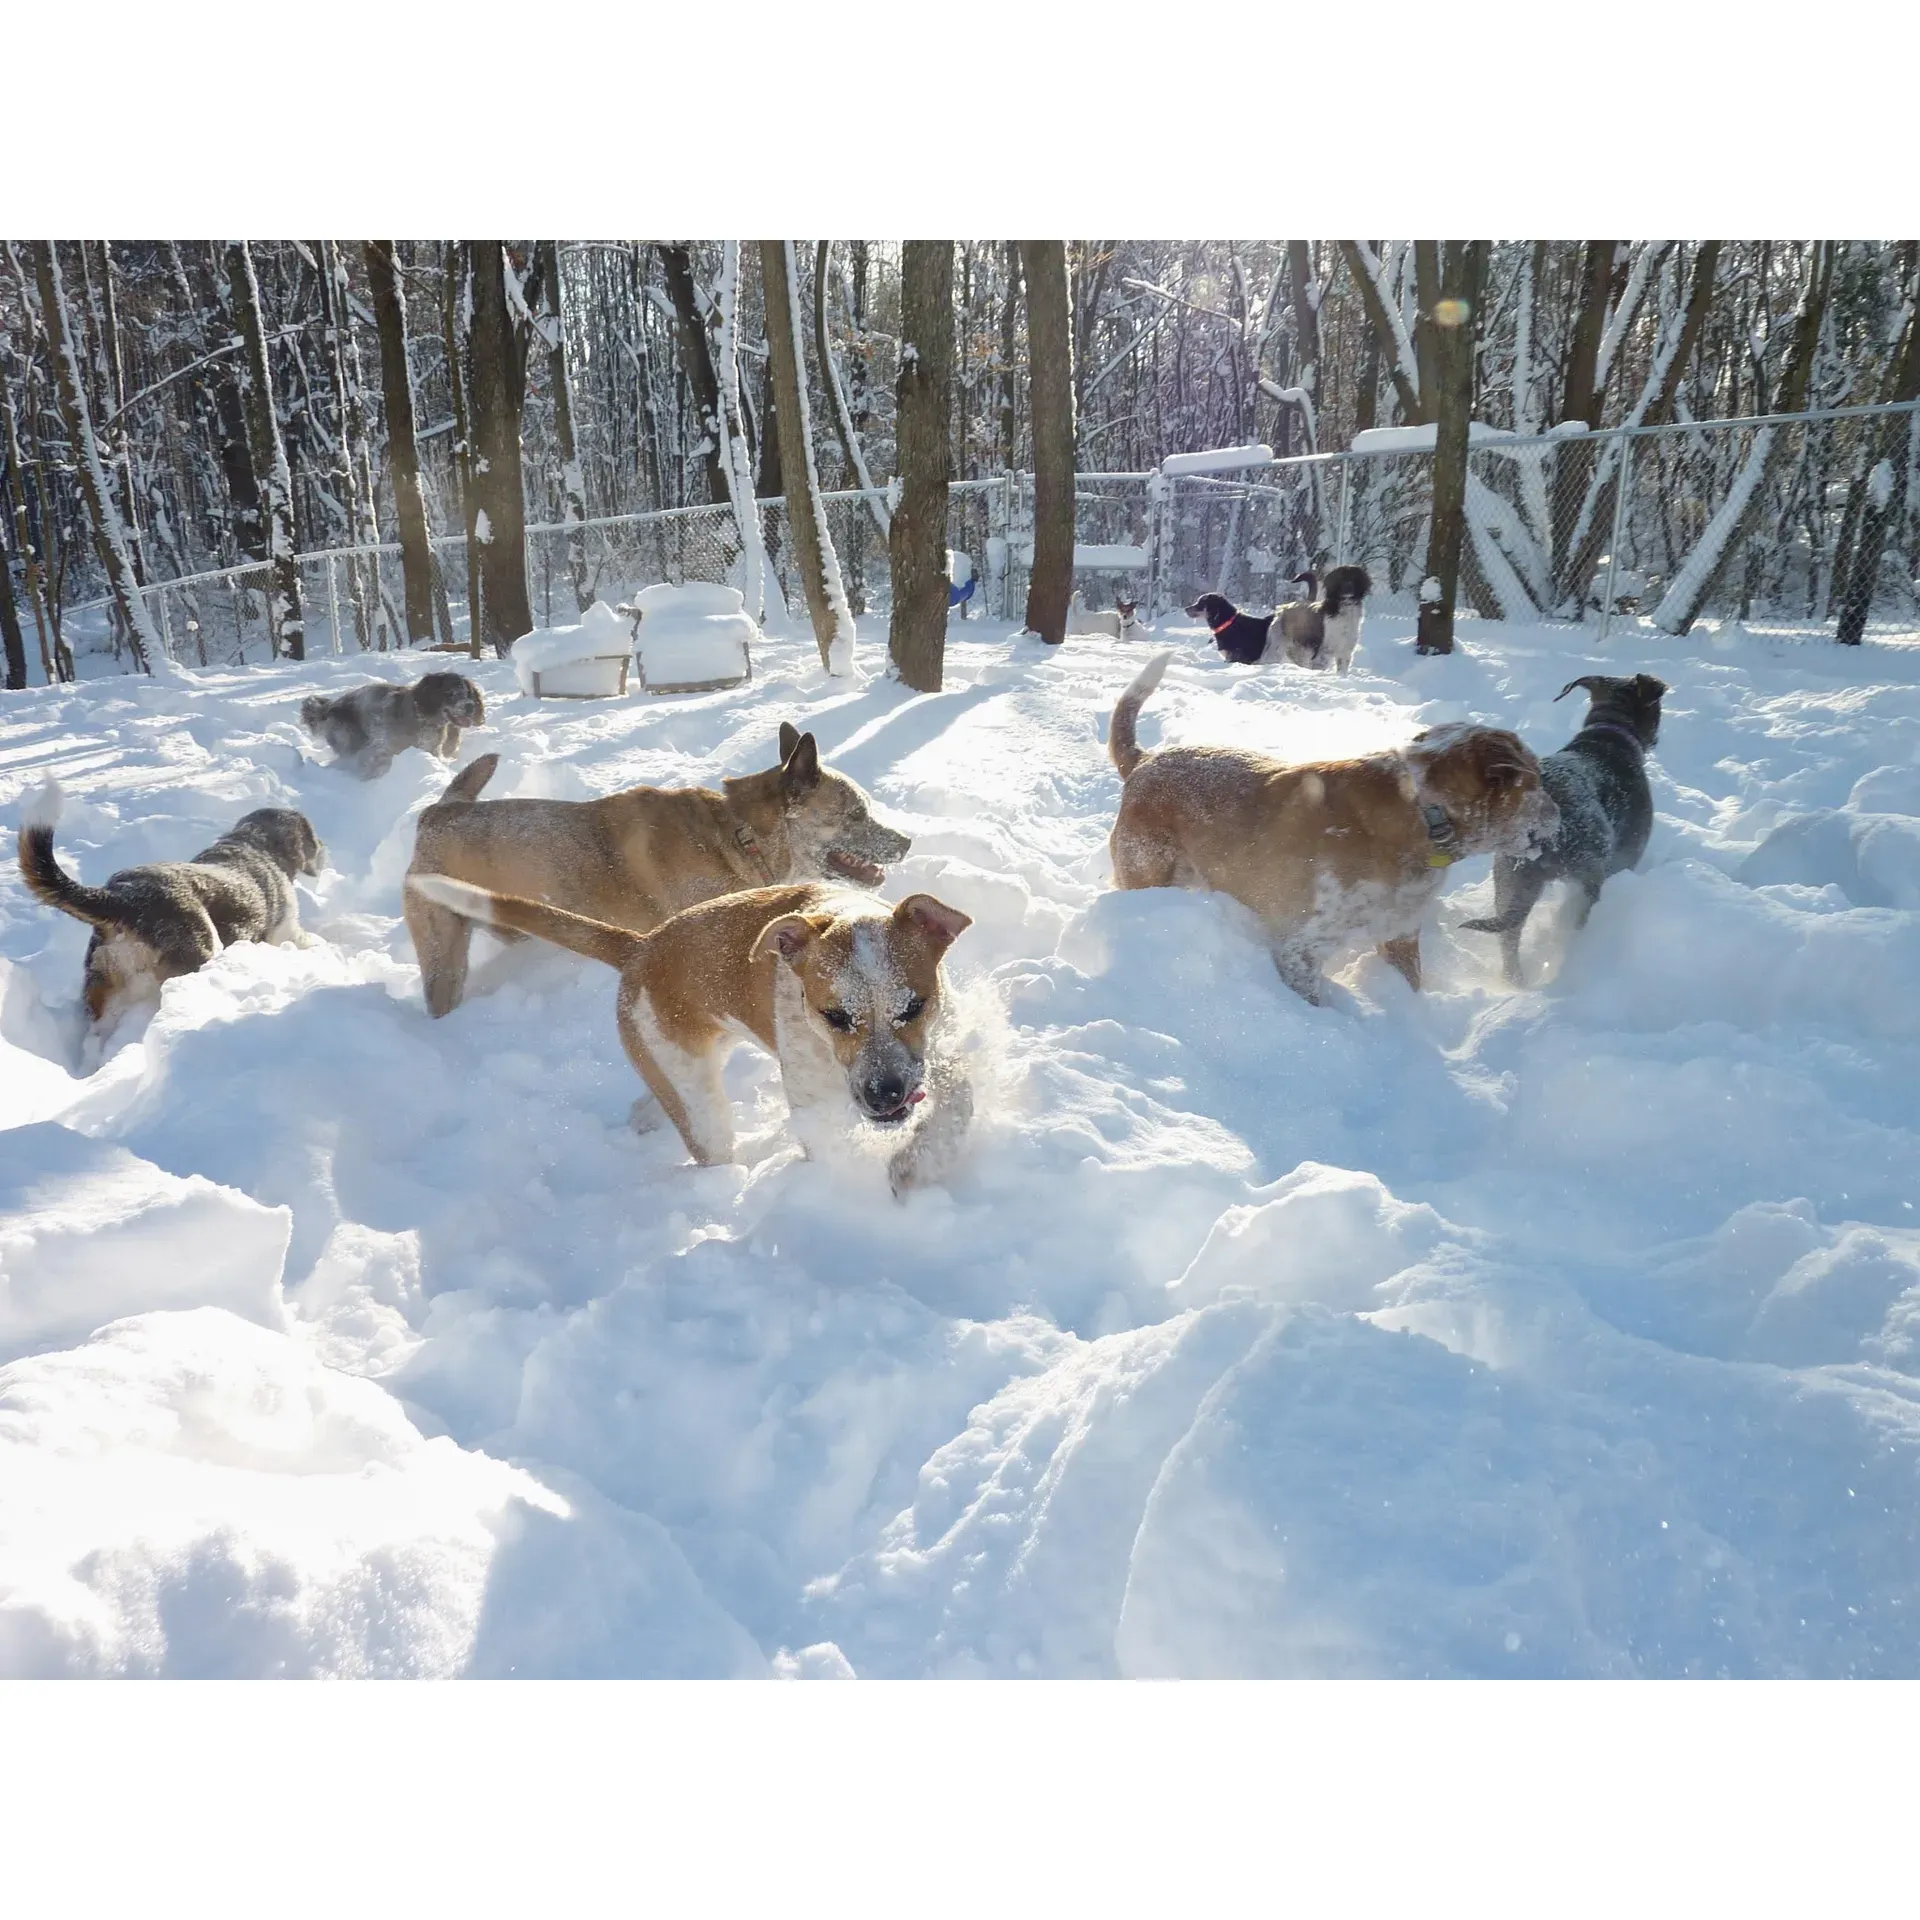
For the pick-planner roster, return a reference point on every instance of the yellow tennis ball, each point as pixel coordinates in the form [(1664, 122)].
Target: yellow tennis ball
[(1450, 313)]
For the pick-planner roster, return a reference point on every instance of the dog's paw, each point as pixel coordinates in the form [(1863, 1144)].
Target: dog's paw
[(645, 1115)]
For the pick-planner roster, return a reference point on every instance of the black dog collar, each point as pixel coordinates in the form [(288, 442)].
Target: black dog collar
[(1444, 840), (1615, 726)]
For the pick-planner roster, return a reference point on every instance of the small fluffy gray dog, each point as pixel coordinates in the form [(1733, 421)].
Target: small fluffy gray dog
[(367, 727), (1599, 781), (152, 924)]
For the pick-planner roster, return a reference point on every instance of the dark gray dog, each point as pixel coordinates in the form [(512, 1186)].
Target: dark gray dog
[(1599, 781), (152, 924), (367, 727)]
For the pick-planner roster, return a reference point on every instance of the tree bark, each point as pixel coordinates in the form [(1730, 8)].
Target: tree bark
[(807, 530), (10, 634), (109, 537), (733, 436), (843, 427), (917, 546), (1462, 275), (1860, 569), (1706, 265), (286, 624), (497, 484), (567, 481), (1009, 341), (1582, 398), (454, 275), (1050, 386), (696, 361), (1391, 341), (403, 451), (56, 663)]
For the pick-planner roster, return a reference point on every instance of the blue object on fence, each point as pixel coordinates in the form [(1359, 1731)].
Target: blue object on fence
[(959, 596)]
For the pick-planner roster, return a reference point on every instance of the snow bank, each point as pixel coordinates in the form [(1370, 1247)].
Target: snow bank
[(90, 1232)]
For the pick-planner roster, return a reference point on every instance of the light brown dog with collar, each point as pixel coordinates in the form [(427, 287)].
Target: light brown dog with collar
[(844, 991), (1335, 856), (630, 859)]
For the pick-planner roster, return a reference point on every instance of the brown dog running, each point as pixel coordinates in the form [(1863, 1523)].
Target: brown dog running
[(630, 859), (1333, 856), (845, 993)]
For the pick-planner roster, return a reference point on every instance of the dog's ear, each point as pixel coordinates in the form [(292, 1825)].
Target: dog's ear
[(1648, 688), (789, 739), (790, 935), (1591, 681), (941, 924), (800, 769)]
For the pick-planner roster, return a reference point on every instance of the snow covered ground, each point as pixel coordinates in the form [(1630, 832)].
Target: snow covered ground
[(1560, 1332)]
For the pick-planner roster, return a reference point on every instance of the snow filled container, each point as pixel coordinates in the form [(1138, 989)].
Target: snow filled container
[(586, 662), (693, 638)]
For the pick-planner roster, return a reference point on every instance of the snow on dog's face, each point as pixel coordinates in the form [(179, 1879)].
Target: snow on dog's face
[(830, 823), (1488, 780), (871, 986)]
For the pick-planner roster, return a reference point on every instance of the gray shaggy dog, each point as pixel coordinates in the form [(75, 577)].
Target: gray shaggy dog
[(152, 924), (1599, 781), (367, 727)]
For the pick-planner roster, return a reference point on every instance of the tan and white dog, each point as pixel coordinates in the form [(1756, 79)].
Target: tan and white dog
[(630, 859), (1122, 623), (845, 992), (1334, 856)]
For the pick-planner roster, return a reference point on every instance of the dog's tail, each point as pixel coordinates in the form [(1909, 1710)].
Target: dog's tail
[(466, 784), (613, 946), (1122, 748), (313, 710), (45, 877), (1494, 923)]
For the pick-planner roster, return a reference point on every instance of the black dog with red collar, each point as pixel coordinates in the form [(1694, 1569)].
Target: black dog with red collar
[(1240, 636)]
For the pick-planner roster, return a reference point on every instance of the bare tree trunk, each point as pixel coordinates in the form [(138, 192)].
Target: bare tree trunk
[(500, 519), (55, 661), (1050, 383), (109, 537), (120, 440), (733, 436), (1699, 301), (454, 273), (14, 640), (1885, 498), (1390, 336), (843, 427), (1583, 397), (917, 636), (1009, 342), (403, 451), (286, 625), (567, 480), (696, 361), (807, 528), (1452, 318)]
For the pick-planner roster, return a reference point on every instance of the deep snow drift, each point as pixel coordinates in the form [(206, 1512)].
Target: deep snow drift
[(1567, 1331)]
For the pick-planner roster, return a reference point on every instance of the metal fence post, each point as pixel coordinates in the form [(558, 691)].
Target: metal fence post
[(333, 600), (166, 627), (1346, 511), (1621, 481)]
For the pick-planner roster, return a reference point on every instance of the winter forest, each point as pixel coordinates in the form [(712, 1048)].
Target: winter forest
[(181, 408)]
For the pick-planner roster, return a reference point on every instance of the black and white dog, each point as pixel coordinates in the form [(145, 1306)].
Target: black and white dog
[(1310, 633), (1599, 781)]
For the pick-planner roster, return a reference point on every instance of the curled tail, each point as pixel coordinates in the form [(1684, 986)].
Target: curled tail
[(1122, 748), (613, 946), (46, 879), (466, 784)]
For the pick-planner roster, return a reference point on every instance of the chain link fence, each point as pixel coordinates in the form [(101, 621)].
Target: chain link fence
[(1798, 526)]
